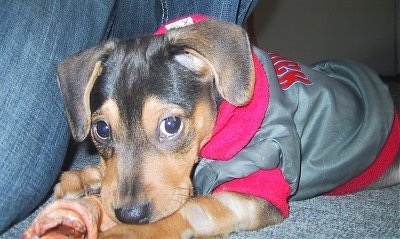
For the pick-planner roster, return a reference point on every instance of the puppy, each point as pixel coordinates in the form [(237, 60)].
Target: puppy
[(195, 104)]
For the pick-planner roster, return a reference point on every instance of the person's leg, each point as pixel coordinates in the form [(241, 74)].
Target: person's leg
[(236, 11), (138, 18), (133, 19), (34, 37)]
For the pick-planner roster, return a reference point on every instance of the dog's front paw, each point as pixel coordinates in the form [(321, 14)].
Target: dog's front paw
[(79, 183), (163, 229), (136, 231)]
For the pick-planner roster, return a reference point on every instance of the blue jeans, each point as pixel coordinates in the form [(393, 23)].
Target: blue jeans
[(34, 36)]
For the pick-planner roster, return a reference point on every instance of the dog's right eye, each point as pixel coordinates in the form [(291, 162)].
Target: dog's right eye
[(170, 127), (101, 131)]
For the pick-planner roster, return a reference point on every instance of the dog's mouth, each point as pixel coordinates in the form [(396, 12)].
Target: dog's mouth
[(163, 203), (147, 212)]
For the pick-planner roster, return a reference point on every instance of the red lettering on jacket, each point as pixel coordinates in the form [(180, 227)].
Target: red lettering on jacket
[(289, 72)]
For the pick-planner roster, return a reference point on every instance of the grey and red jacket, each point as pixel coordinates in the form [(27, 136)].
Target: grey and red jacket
[(325, 129)]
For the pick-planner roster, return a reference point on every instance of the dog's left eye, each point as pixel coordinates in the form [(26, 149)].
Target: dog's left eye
[(101, 131), (170, 127)]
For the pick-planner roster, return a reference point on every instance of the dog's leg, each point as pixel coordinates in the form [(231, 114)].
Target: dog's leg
[(203, 217), (79, 183)]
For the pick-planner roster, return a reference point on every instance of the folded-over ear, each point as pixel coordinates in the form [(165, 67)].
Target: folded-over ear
[(225, 49), (76, 77)]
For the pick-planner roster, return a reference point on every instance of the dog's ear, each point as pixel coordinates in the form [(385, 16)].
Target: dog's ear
[(76, 77), (224, 49)]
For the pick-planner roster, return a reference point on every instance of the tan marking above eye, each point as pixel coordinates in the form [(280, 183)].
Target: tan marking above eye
[(154, 111), (110, 110)]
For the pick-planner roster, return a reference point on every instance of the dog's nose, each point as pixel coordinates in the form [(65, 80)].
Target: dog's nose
[(137, 214)]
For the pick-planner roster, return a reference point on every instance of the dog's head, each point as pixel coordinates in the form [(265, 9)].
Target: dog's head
[(150, 105)]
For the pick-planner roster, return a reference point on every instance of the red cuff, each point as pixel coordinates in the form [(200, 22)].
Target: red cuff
[(267, 184), (385, 158)]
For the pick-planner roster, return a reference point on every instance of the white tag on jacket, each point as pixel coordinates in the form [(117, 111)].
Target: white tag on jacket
[(180, 23)]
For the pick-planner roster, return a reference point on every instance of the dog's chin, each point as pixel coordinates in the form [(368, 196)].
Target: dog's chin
[(158, 216), (173, 207), (167, 199)]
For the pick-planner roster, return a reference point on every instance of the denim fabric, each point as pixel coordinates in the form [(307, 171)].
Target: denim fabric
[(235, 11), (34, 36), (131, 20)]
